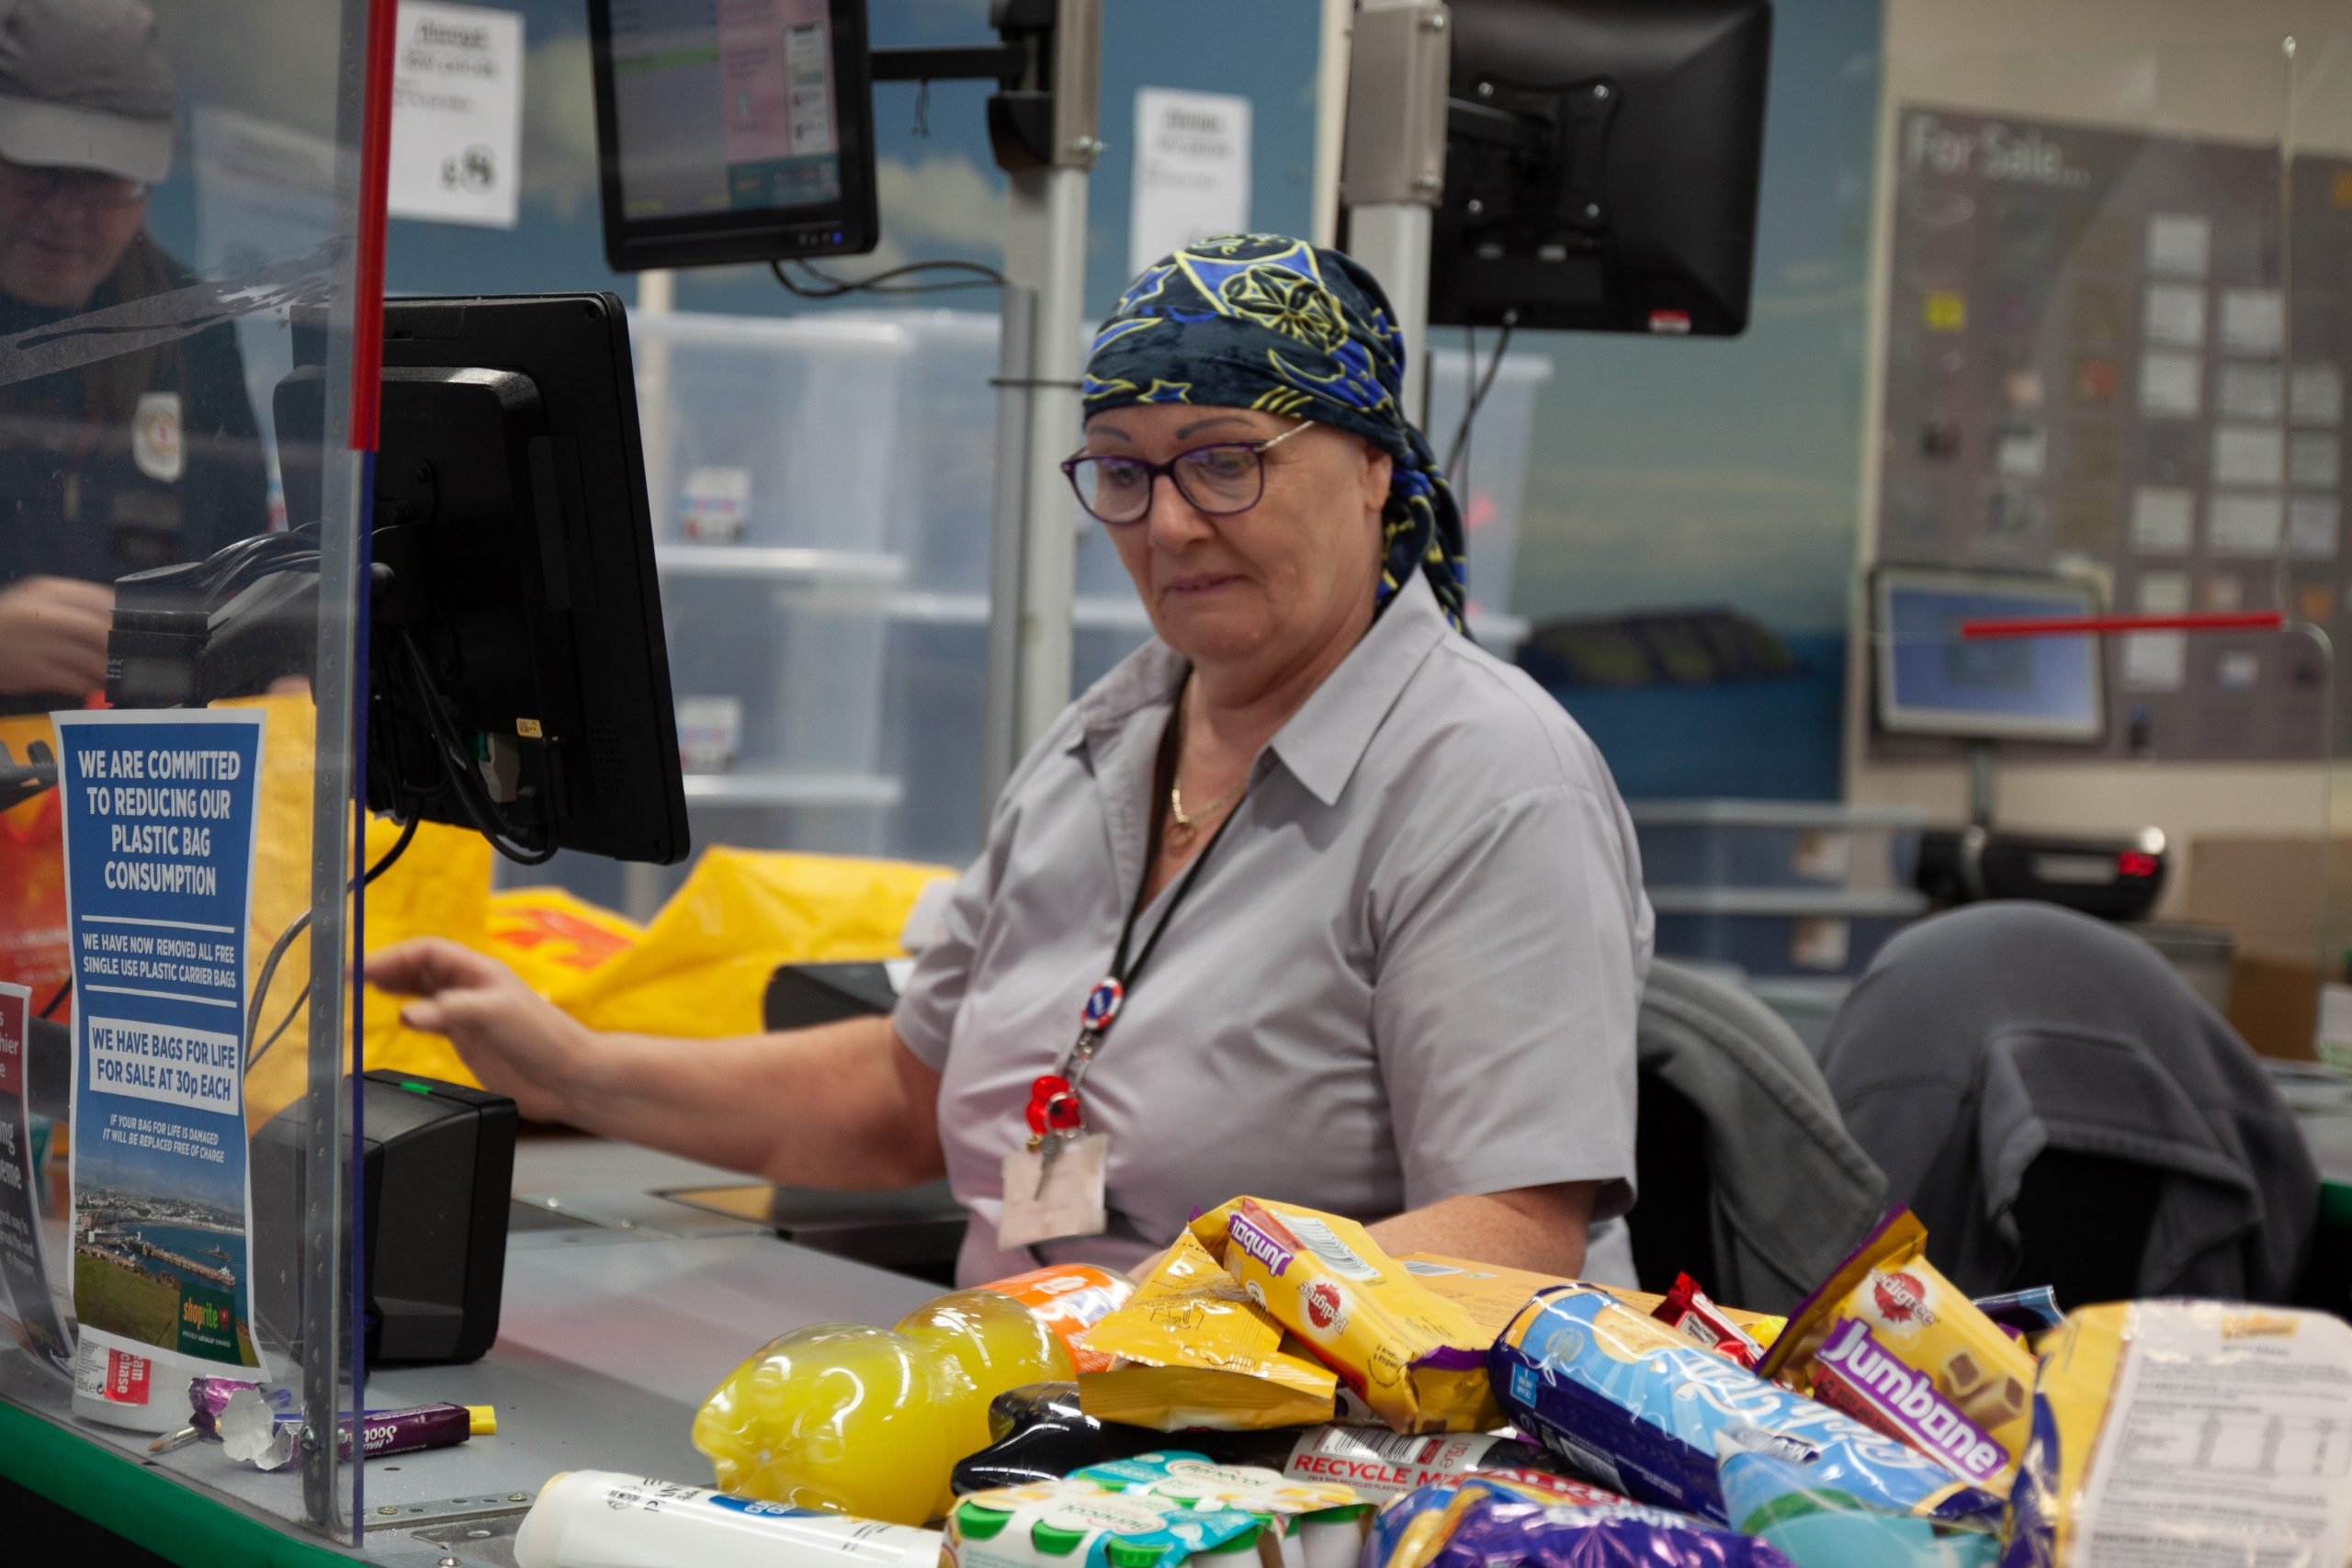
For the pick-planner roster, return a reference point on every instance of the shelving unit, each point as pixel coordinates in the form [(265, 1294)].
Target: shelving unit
[(851, 458)]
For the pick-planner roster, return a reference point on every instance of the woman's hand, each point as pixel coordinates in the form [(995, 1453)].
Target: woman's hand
[(53, 635), (519, 1043)]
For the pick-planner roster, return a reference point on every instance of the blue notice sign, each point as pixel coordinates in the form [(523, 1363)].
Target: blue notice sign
[(159, 851)]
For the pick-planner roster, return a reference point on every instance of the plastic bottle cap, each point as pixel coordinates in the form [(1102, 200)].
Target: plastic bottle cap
[(1121, 1552), (1246, 1540), (483, 1422), (974, 1522), (1054, 1540)]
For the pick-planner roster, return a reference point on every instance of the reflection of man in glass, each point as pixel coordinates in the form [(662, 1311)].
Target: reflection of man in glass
[(135, 460)]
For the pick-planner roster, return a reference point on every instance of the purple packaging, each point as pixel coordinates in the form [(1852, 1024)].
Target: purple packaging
[(207, 1397), (1905, 1399), (1493, 1522), (270, 1439)]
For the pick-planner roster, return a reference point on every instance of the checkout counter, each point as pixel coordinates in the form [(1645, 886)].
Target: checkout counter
[(634, 1282)]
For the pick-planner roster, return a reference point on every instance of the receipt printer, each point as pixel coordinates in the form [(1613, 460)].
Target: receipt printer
[(2112, 877), (437, 1171)]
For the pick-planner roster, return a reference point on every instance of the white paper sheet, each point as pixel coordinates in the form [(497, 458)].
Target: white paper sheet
[(2169, 383), (2315, 527), (457, 115), (2164, 521), (2249, 454), (2242, 525), (2250, 391), (2175, 314), (2179, 243), (2254, 321), (2316, 462), (1192, 171), (2318, 395)]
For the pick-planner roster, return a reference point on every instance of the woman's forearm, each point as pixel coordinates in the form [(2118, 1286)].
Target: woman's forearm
[(841, 1105), (1541, 1229)]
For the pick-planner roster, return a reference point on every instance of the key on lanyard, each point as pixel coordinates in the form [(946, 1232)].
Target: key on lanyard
[(1056, 1115)]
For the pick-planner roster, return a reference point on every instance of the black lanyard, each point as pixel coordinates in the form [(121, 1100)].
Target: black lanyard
[(1057, 1109)]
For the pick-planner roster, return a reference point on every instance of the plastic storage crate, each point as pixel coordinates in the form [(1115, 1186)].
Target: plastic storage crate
[(1774, 932), (823, 490), (1777, 843)]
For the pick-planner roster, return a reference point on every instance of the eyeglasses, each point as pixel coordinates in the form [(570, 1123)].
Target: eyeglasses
[(1220, 480), (86, 187)]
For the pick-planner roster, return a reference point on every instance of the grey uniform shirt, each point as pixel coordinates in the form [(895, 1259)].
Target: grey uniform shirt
[(1409, 972)]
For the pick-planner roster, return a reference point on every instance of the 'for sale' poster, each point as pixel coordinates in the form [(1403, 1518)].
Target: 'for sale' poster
[(159, 849)]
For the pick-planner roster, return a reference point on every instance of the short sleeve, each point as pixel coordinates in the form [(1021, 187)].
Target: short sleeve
[(1509, 971), (925, 1016)]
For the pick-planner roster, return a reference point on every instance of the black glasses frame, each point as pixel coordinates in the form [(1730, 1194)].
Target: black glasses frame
[(1174, 472)]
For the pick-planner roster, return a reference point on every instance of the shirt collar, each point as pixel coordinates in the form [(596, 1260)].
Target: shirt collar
[(1329, 735), (1325, 740)]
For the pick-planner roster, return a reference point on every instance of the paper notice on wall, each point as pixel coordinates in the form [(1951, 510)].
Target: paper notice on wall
[(2315, 527), (159, 849), (457, 114), (28, 1309), (2249, 454), (2178, 243), (2162, 520), (2254, 321), (2246, 524), (2314, 462), (1192, 171), (2175, 314), (2169, 383), (2318, 395)]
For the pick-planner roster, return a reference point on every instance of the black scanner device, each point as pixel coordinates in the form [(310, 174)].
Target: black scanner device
[(437, 1174)]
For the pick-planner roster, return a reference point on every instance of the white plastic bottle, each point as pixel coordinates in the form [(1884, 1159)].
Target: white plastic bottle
[(598, 1518)]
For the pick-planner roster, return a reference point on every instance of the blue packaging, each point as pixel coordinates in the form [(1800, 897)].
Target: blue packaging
[(1814, 1526), (1483, 1521), (1633, 1405)]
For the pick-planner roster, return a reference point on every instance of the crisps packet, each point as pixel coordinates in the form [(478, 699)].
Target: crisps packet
[(1890, 1342), (1193, 1350), (2170, 1432), (1418, 1360), (1070, 1298), (1631, 1402)]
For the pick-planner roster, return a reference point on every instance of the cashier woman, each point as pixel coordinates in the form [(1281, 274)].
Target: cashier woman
[(1351, 906)]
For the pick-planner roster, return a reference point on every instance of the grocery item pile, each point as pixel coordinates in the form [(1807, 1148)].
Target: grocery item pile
[(1277, 1385)]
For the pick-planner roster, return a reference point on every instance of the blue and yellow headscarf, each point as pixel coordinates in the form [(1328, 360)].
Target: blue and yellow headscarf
[(1261, 321)]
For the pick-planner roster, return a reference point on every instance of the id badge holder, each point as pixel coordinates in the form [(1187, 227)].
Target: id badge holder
[(1071, 1203)]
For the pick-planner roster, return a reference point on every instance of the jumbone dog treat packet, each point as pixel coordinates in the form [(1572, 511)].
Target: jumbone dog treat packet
[(1893, 1344)]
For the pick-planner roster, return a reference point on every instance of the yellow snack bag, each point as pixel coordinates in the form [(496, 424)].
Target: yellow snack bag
[(1890, 1342), (1194, 1350), (2178, 1431), (1417, 1359)]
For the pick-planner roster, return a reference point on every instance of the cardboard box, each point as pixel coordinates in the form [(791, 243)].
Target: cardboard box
[(2267, 892), (2275, 1003)]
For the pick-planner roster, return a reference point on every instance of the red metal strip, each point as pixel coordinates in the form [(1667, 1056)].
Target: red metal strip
[(2109, 625), (375, 179)]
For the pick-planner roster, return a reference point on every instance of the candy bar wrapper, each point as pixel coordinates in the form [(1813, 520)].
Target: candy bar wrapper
[(1701, 1321), (2023, 1315), (207, 1397), (1414, 1358), (2179, 1432), (1631, 1404), (1192, 1349), (1892, 1343), (1070, 1299), (1818, 1527), (1481, 1522)]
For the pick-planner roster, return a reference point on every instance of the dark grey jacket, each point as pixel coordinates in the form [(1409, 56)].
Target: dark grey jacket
[(1982, 1037), (1791, 1194)]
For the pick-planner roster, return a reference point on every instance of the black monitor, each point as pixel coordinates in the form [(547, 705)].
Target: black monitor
[(519, 678), (732, 130), (1600, 165)]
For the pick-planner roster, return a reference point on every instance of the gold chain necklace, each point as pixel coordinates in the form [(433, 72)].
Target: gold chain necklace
[(1182, 823), (1185, 825)]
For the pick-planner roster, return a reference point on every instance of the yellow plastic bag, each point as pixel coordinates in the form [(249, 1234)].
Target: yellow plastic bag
[(703, 963)]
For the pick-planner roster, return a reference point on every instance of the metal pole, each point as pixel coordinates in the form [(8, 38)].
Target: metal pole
[(1001, 740), (656, 295), (1045, 249), (1393, 239), (1331, 116), (1398, 60)]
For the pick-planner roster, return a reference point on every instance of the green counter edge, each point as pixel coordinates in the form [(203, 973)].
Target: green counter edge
[(143, 1505)]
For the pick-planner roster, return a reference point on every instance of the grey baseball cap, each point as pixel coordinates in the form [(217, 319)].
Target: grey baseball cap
[(84, 85)]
